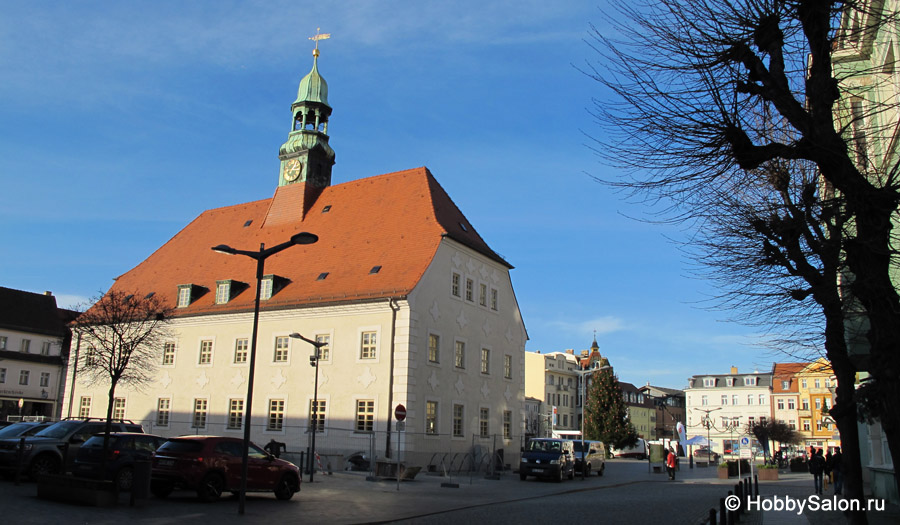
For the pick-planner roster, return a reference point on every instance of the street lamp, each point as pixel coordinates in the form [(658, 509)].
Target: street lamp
[(260, 258), (313, 361), (707, 422), (581, 374)]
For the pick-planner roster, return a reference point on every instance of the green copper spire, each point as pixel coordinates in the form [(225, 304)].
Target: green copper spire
[(306, 155)]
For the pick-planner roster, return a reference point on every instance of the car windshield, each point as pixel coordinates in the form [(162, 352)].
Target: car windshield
[(544, 446), (13, 430), (58, 430), (97, 441), (577, 444), (180, 446)]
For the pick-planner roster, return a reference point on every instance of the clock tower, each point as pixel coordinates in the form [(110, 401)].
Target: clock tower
[(306, 155)]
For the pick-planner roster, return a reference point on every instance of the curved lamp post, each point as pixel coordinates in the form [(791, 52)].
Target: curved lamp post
[(260, 258), (313, 361)]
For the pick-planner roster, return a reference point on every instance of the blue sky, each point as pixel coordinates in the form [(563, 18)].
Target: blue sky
[(122, 121)]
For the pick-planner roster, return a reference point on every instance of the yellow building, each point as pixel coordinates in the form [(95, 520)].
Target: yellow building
[(816, 385)]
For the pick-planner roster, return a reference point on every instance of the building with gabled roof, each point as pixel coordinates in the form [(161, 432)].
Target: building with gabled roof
[(411, 305)]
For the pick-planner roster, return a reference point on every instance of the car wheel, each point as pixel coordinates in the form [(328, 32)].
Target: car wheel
[(161, 489), (587, 470), (523, 476), (125, 478), (559, 476), (571, 473), (285, 488), (211, 487), (43, 464), (602, 468)]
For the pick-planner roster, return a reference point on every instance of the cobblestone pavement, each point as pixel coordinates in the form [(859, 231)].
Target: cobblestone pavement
[(628, 493)]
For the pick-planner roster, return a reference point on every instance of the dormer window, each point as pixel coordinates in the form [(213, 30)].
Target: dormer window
[(729, 381), (266, 286), (223, 291), (749, 381), (322, 276), (709, 382), (184, 295)]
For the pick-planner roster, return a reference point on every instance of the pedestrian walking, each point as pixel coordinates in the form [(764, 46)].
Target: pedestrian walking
[(670, 464), (826, 479), (817, 469), (836, 471)]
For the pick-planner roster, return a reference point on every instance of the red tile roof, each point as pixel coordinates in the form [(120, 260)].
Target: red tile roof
[(786, 372), (395, 221)]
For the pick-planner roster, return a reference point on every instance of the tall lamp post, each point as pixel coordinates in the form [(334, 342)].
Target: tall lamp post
[(260, 258), (707, 422), (313, 361), (581, 374)]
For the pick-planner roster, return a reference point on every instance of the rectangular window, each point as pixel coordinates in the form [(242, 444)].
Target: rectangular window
[(806, 425), (26, 346), (803, 383), (235, 413), (240, 350), (459, 355), (724, 400), (729, 381), (734, 400), (206, 348), (434, 348), (749, 381), (118, 408), (163, 406), (23, 377), (781, 404), (818, 404), (454, 285), (459, 412), (431, 417), (200, 408), (367, 345), (168, 354), (818, 426), (704, 400), (762, 399), (709, 382), (365, 415), (804, 405), (317, 415), (495, 303), (223, 292), (84, 408), (791, 404), (482, 294), (793, 424), (265, 287), (749, 399), (484, 422), (324, 351), (2, 375), (3, 342), (90, 356), (507, 366), (818, 383), (276, 415), (470, 290), (281, 349), (184, 296), (785, 385), (45, 348), (507, 424), (45, 378), (485, 361)]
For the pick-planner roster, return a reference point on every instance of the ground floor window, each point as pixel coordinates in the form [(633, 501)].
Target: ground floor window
[(365, 415), (200, 411), (235, 413), (276, 415)]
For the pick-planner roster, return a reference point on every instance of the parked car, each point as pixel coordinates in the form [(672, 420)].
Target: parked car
[(704, 453), (123, 450), (23, 429), (637, 451), (594, 460), (548, 458), (211, 465), (54, 448)]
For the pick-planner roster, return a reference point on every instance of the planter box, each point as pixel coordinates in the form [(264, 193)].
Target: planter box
[(80, 491), (723, 473), (767, 474)]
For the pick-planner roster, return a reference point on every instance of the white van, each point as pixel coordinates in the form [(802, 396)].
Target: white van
[(638, 451)]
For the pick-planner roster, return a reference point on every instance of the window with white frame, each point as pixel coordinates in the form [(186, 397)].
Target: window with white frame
[(507, 366), (163, 409), (235, 413), (324, 351), (507, 424), (709, 382), (434, 348), (803, 383), (45, 378), (482, 294), (266, 287), (317, 415), (749, 399), (454, 284), (790, 404), (206, 350), (459, 355), (365, 415), (23, 377), (749, 381), (704, 400), (818, 383), (431, 417), (200, 412), (485, 361), (495, 301), (168, 358), (3, 342), (90, 356), (184, 296), (734, 400), (119, 408), (804, 404), (25, 347), (45, 348), (785, 385), (780, 404), (367, 345), (484, 422), (223, 292), (459, 413), (282, 344), (470, 290), (241, 349), (818, 403), (275, 421), (762, 399), (84, 407), (724, 400), (729, 381)]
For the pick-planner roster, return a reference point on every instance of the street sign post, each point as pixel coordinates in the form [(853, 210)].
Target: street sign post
[(400, 415), (400, 412)]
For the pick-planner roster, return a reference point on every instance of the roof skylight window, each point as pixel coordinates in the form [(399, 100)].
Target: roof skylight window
[(375, 269), (322, 276)]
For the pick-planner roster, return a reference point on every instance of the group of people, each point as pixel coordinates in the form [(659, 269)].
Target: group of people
[(826, 468)]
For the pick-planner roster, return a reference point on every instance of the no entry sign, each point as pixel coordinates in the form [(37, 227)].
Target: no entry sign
[(400, 412)]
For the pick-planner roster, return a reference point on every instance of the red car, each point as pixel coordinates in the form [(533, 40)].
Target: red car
[(211, 465)]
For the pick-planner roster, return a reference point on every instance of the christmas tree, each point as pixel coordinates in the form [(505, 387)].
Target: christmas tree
[(605, 414)]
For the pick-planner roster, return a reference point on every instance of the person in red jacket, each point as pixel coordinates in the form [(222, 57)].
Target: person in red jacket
[(670, 464)]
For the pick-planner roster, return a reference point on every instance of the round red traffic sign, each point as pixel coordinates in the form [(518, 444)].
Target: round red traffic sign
[(400, 412)]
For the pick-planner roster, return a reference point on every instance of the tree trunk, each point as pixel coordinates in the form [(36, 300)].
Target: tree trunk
[(108, 429)]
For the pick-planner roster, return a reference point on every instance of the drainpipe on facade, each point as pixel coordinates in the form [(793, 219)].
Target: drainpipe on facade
[(390, 407)]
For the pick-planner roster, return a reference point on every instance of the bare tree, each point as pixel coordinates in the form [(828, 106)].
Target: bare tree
[(720, 111), (125, 333)]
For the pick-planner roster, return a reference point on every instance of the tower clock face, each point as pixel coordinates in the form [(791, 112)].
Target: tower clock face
[(292, 169)]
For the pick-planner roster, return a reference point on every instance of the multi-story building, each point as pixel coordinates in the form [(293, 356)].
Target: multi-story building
[(34, 344), (722, 405), (786, 393), (552, 378), (411, 306), (669, 408), (815, 393), (641, 410)]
